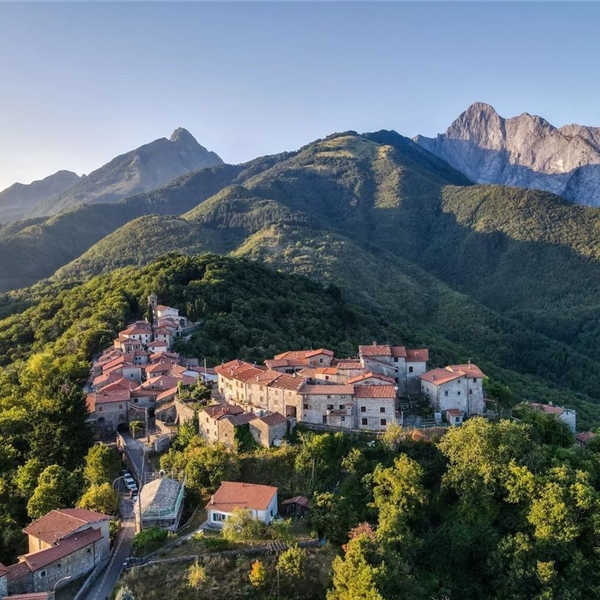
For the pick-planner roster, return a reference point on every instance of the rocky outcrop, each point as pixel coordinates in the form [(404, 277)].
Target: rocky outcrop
[(16, 200), (141, 170), (524, 151)]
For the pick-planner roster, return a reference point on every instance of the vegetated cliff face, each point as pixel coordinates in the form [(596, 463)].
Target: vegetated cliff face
[(524, 151), (141, 170), (16, 200)]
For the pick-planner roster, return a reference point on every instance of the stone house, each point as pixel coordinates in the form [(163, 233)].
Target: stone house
[(375, 406), (209, 422), (295, 360), (63, 543), (402, 364), (455, 386), (454, 416), (259, 500), (266, 429), (108, 410), (566, 415), (582, 439), (318, 402)]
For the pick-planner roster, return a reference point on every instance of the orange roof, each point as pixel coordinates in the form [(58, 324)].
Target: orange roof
[(57, 524), (454, 412), (470, 370), (301, 500), (218, 411), (585, 436), (348, 364), (450, 373), (374, 391), (162, 382), (371, 375), (76, 541), (326, 390), (312, 353), (120, 384), (167, 393), (287, 382), (102, 397), (399, 351), (549, 410), (375, 350), (417, 355), (234, 495), (159, 367)]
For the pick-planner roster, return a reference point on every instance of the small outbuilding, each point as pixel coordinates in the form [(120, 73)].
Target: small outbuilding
[(161, 503), (298, 506)]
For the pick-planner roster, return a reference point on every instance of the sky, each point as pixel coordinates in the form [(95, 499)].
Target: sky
[(81, 83)]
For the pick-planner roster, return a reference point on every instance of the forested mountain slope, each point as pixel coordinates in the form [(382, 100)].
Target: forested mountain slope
[(402, 233)]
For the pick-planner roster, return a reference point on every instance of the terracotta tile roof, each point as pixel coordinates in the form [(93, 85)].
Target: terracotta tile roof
[(161, 383), (233, 495), (399, 351), (242, 419), (134, 331), (370, 375), (454, 412), (374, 391), (287, 382), (17, 571), (163, 366), (441, 376), (585, 436), (470, 370), (120, 384), (325, 351), (327, 370), (3, 570), (105, 378), (218, 411), (162, 308), (167, 394), (549, 410), (326, 390), (273, 419), (375, 350), (301, 500), (417, 355), (57, 524), (102, 397), (348, 365), (145, 393), (76, 541)]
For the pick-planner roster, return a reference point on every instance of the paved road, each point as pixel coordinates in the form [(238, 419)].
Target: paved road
[(107, 580), (135, 453)]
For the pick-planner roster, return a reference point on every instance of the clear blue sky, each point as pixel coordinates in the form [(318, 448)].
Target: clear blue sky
[(83, 82)]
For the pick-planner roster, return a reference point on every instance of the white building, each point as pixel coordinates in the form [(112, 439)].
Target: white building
[(566, 415), (455, 387), (259, 500)]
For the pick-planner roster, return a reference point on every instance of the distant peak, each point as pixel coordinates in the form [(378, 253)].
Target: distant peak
[(182, 135), (481, 107)]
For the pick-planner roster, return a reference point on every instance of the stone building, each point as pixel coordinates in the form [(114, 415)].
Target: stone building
[(161, 503), (375, 406), (456, 386), (63, 543), (268, 428)]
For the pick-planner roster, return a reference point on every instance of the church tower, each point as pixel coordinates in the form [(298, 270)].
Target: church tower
[(152, 304)]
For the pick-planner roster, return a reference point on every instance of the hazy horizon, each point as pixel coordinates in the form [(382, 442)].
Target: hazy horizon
[(87, 82)]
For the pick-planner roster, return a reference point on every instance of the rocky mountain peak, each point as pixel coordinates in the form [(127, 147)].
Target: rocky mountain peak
[(182, 135), (525, 151)]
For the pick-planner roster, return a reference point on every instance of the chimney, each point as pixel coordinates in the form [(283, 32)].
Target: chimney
[(374, 343)]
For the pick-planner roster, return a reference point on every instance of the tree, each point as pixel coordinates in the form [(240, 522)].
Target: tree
[(135, 426), (101, 465), (292, 562), (353, 577), (197, 577), (57, 488), (101, 498), (258, 574), (241, 526)]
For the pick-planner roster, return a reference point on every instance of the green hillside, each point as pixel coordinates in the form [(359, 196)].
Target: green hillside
[(452, 265)]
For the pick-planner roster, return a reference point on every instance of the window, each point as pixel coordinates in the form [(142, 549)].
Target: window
[(330, 407), (395, 359), (343, 396), (474, 379), (410, 369), (324, 419), (363, 409), (271, 511), (470, 391), (343, 418), (382, 409), (89, 550), (121, 406), (328, 396), (445, 392), (306, 407), (43, 573), (58, 566), (99, 409), (320, 360), (341, 407), (458, 393), (326, 377), (383, 422), (363, 421)]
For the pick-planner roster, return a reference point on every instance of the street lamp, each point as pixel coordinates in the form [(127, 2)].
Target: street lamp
[(112, 485), (61, 579)]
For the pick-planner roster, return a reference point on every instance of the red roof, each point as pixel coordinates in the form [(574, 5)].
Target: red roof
[(167, 393), (17, 571), (470, 370), (159, 367), (585, 436), (375, 350), (399, 351), (450, 373), (234, 495), (374, 391), (273, 419), (454, 412), (32, 596), (348, 365), (301, 500), (370, 375), (326, 390), (112, 396), (242, 419), (3, 570), (417, 355), (57, 524), (287, 382), (120, 384), (76, 541), (218, 411)]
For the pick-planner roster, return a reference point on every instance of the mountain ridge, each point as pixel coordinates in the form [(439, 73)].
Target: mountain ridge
[(525, 151)]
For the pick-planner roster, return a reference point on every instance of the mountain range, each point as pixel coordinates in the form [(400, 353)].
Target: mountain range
[(506, 276), (524, 151), (141, 170)]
